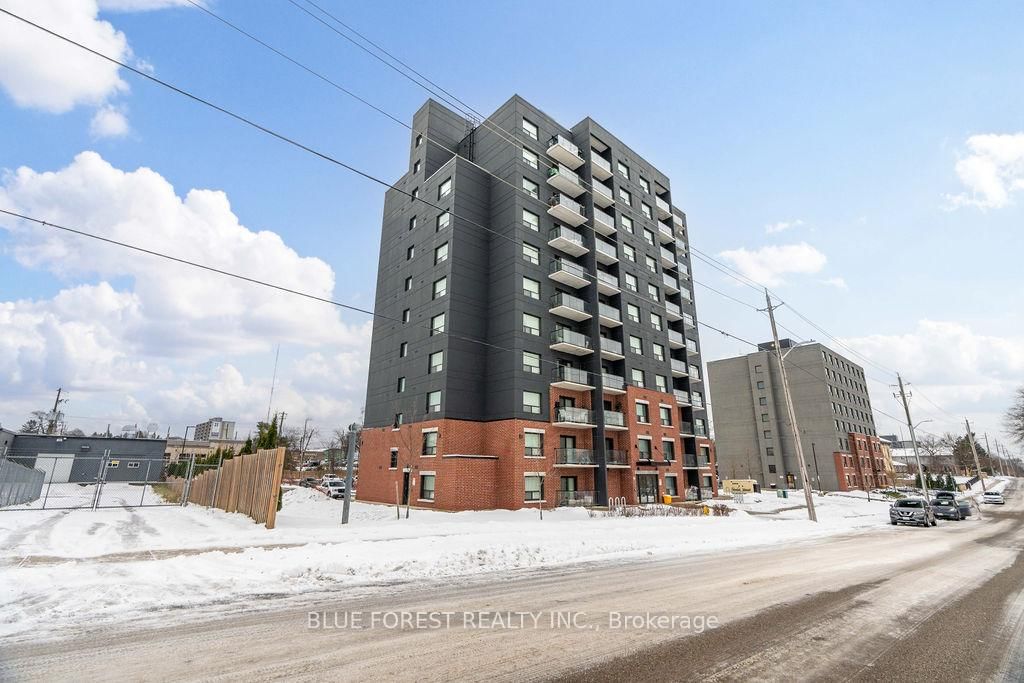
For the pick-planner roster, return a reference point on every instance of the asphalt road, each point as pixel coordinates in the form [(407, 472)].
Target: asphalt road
[(896, 604)]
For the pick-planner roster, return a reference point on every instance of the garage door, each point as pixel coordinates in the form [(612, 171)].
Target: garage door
[(57, 467)]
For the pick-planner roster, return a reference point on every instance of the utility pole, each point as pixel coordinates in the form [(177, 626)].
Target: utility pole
[(350, 458), (51, 427), (302, 444), (913, 440), (273, 382), (974, 451), (808, 494)]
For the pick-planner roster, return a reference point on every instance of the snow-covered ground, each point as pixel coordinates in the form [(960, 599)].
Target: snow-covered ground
[(62, 569)]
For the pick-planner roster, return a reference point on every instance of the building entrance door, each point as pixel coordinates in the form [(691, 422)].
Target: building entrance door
[(405, 487), (646, 487)]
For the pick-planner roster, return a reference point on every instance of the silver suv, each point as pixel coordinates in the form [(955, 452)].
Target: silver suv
[(914, 511)]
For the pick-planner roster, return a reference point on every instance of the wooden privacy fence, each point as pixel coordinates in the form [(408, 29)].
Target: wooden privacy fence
[(246, 483)]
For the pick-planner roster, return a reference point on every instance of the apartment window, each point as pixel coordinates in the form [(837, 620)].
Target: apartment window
[(760, 384), (440, 287), (633, 312), (767, 433), (531, 220), (665, 413), (758, 369), (530, 129), (654, 292), (643, 413), (437, 324), (531, 188), (770, 451), (531, 324), (636, 345), (764, 417), (644, 447), (408, 283), (531, 159), (444, 189), (434, 402), (531, 254), (661, 383), (695, 373), (401, 385), (531, 362), (531, 288), (668, 449), (533, 485), (533, 444), (403, 349), (393, 464), (429, 443), (419, 140), (671, 486), (412, 223), (443, 221), (410, 252), (762, 401), (623, 170), (427, 487), (625, 197), (638, 377), (415, 194), (646, 211), (435, 362), (645, 184), (416, 166), (651, 264), (659, 352), (771, 469), (648, 237), (656, 322), (627, 223), (631, 283), (629, 253), (405, 316), (441, 254), (531, 402), (698, 426)]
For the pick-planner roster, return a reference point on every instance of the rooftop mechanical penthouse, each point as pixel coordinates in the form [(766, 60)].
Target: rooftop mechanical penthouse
[(536, 339)]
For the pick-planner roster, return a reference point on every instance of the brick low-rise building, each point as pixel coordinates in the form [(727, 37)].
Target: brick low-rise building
[(536, 338)]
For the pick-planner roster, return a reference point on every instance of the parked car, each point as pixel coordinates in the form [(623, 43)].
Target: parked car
[(336, 489), (993, 497), (911, 511), (328, 478), (962, 503), (308, 482), (946, 508)]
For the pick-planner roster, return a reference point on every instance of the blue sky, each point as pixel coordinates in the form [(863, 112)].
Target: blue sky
[(846, 120)]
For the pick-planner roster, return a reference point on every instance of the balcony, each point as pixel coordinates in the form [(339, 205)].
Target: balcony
[(678, 220), (680, 245), (567, 210), (690, 461), (573, 379), (606, 253), (695, 373), (685, 293), (569, 306), (602, 194), (613, 384), (615, 458), (611, 349), (684, 269), (574, 457), (609, 315), (603, 222), (688, 321), (679, 368), (682, 397), (568, 273), (700, 430), (607, 283), (691, 345), (566, 240), (599, 166), (565, 180), (663, 208), (673, 312), (668, 259), (576, 418), (564, 151), (665, 234), (576, 498), (614, 421), (675, 339), (686, 429), (698, 400), (671, 283), (569, 341)]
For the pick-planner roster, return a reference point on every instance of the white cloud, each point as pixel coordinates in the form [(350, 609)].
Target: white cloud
[(43, 72), (773, 228), (992, 172), (109, 122), (140, 5), (165, 325), (768, 265), (837, 282)]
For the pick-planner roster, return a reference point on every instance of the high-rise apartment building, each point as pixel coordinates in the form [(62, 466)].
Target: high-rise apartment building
[(215, 429), (753, 435), (535, 340)]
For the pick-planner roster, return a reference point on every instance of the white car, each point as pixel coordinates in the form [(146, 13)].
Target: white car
[(993, 497), (328, 478), (336, 489)]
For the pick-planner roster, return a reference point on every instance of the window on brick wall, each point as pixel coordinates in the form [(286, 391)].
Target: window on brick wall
[(427, 486), (643, 413), (533, 443), (394, 460), (429, 443), (665, 413), (668, 449), (534, 487)]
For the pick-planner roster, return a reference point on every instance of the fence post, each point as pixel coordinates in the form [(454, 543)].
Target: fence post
[(101, 476), (49, 482), (216, 482), (188, 480), (145, 482)]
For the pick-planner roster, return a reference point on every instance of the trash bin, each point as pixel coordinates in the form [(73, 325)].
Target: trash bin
[(782, 493), (666, 499)]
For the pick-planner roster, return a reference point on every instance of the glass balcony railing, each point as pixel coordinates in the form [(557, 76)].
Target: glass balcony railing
[(614, 419), (616, 457), (564, 373), (571, 337), (610, 312), (572, 415), (562, 299), (611, 346), (613, 382), (574, 456)]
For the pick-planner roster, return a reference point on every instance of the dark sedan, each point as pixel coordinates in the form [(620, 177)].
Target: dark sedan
[(946, 508), (912, 511)]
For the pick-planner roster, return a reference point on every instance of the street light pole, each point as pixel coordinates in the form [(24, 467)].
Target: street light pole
[(913, 440), (353, 436)]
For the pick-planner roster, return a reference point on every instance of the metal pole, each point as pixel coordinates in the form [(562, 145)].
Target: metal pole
[(49, 482), (817, 473), (145, 482), (913, 439), (802, 464), (100, 478), (974, 451), (188, 480), (350, 457), (216, 482)]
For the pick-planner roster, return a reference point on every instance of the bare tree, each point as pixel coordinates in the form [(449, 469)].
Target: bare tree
[(1014, 421)]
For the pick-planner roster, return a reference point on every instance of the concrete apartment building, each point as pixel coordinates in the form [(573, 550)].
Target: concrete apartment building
[(753, 436), (536, 339), (215, 429)]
